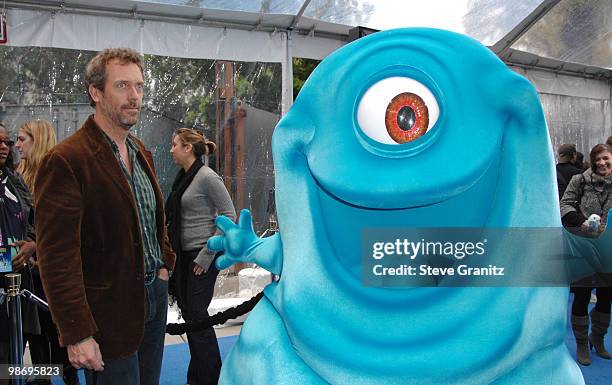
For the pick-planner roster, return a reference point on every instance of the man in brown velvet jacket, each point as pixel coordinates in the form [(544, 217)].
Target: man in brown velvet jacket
[(103, 249)]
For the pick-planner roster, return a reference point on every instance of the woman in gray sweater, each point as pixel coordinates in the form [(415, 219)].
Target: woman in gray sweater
[(590, 193), (198, 196)]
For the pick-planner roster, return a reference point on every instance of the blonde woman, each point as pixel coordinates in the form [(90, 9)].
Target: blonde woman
[(34, 139)]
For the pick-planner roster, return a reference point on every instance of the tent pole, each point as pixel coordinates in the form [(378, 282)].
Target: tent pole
[(500, 48), (287, 73)]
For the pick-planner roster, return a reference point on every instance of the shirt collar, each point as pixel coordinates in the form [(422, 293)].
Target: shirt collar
[(130, 142)]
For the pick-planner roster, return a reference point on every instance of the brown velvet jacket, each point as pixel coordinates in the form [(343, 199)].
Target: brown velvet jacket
[(89, 245)]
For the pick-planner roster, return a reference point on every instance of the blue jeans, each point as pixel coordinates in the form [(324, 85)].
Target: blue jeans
[(151, 348), (116, 371), (144, 366)]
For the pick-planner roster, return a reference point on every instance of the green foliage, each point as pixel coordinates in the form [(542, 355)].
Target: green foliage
[(302, 68), (183, 90), (260, 85), (34, 75)]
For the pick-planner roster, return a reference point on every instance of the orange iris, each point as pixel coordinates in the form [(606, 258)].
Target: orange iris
[(406, 118)]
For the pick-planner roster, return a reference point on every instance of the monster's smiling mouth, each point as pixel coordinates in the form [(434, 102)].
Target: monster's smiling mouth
[(344, 202), (343, 221), (402, 187)]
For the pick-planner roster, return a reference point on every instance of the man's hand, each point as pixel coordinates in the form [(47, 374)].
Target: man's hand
[(197, 269), (26, 251), (86, 354), (163, 274)]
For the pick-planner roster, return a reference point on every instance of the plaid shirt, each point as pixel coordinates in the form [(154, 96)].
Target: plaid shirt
[(145, 201)]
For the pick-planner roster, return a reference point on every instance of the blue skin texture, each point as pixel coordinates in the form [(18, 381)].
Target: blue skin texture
[(486, 162)]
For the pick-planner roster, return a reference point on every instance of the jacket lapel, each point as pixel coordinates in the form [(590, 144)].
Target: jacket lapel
[(103, 154), (109, 163)]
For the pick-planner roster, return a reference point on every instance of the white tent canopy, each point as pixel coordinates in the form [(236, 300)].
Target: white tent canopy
[(570, 31), (560, 36)]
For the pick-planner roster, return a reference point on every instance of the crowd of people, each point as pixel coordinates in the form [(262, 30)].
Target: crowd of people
[(89, 232), (585, 193)]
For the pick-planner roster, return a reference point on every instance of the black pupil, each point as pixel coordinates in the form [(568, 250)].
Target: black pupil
[(405, 118)]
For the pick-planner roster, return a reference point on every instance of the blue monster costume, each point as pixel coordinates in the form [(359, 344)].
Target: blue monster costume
[(350, 154)]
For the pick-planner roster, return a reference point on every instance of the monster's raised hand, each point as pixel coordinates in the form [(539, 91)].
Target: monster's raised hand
[(240, 244)]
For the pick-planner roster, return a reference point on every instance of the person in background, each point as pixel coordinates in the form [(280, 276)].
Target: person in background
[(566, 167), (580, 162), (34, 139), (15, 207), (590, 193), (103, 250), (198, 196)]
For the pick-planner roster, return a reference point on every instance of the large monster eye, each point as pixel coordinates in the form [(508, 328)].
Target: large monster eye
[(397, 110)]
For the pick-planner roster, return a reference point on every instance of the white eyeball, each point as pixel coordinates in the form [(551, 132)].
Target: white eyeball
[(397, 110)]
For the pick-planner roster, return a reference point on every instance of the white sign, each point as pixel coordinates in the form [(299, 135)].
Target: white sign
[(3, 36)]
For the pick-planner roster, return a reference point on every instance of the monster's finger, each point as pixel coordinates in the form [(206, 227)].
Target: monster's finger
[(223, 262), (224, 223), (245, 221), (216, 243)]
